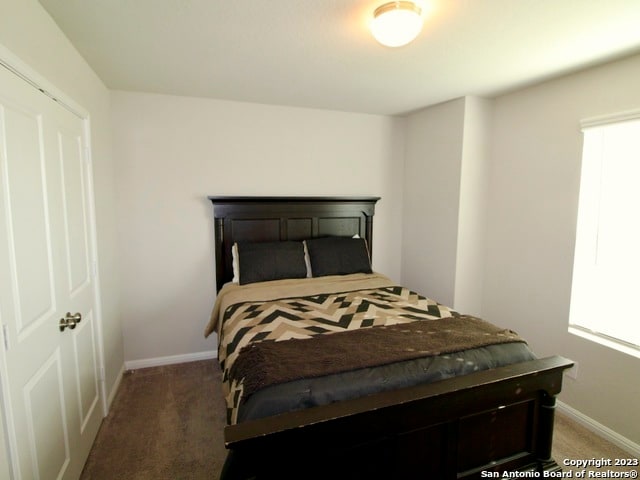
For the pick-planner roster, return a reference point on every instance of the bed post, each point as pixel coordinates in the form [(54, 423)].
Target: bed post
[(369, 233), (545, 438), (220, 268)]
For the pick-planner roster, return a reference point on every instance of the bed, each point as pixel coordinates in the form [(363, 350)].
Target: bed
[(330, 369)]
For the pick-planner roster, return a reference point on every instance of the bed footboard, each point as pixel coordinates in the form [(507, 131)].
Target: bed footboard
[(464, 427)]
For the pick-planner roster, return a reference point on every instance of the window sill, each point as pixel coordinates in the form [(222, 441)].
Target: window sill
[(623, 347)]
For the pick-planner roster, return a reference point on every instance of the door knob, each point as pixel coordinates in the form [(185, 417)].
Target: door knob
[(76, 317), (70, 321)]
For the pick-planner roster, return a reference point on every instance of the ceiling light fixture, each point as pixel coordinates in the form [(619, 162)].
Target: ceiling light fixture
[(395, 24)]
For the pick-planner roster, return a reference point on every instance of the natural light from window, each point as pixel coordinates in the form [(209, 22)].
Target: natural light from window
[(606, 272)]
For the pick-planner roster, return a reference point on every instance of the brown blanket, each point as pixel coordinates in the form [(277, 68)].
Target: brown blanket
[(266, 363)]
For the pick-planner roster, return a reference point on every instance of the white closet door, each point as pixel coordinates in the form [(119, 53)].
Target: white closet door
[(50, 377)]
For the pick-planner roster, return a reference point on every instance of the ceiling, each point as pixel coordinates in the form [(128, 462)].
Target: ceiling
[(320, 53)]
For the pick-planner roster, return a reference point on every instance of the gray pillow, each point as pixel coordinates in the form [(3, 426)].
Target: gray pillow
[(260, 262), (338, 256)]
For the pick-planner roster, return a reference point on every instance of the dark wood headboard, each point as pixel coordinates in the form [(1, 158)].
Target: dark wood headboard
[(268, 219)]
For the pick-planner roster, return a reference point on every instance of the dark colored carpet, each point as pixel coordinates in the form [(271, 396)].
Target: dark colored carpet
[(166, 423)]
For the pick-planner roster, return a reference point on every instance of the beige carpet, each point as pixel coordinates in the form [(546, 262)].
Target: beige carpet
[(166, 424), (572, 441)]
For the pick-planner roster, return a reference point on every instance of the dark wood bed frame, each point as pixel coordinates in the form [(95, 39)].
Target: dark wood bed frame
[(464, 427)]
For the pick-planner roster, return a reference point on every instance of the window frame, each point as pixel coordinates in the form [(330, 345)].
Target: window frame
[(574, 327)]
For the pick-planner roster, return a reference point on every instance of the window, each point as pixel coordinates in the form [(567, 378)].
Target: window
[(606, 272)]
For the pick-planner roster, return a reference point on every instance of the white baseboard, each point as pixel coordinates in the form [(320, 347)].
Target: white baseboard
[(599, 429), (170, 360)]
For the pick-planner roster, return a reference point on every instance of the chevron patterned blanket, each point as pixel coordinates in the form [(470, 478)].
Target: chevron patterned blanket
[(307, 316)]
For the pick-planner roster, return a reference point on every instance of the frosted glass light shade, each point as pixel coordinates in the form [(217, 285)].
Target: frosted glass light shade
[(396, 23)]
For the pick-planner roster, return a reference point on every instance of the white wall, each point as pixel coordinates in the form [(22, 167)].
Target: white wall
[(27, 32), (494, 186), (174, 151), (472, 214), (445, 182), (535, 153), (434, 140)]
